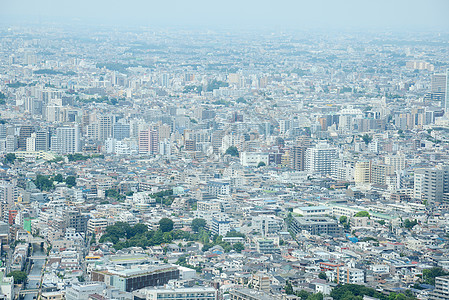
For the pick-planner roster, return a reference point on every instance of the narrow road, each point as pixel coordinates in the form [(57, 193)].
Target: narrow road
[(34, 277)]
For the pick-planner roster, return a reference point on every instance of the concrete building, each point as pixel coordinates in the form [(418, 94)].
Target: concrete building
[(66, 140), (350, 276), (441, 291), (83, 290), (129, 280), (194, 293), (321, 159), (434, 184), (315, 225)]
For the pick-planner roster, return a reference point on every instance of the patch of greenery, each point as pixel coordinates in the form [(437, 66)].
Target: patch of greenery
[(19, 276)]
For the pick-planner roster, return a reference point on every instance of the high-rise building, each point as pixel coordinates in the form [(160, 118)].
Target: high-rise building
[(438, 88), (435, 184), (120, 131), (149, 141), (379, 173), (397, 161), (42, 140), (298, 153), (66, 140), (362, 172), (105, 127), (24, 133), (297, 158), (321, 159), (31, 142), (446, 101), (8, 193)]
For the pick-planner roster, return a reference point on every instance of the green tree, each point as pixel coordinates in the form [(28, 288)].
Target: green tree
[(428, 275), (288, 288), (70, 181), (139, 229), (233, 151), (303, 294), (58, 178), (10, 158), (322, 275), (238, 247), (343, 220), (166, 225), (318, 296), (43, 183), (362, 213), (367, 139), (261, 164), (410, 224), (198, 224), (19, 276)]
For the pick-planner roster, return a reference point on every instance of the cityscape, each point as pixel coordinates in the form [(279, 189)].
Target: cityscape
[(144, 163)]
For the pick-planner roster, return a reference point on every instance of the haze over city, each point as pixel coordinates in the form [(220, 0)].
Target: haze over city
[(234, 150)]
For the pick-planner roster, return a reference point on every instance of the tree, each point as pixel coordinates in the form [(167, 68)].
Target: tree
[(362, 213), (410, 224), (18, 276), (44, 183), (70, 181), (343, 220), (233, 151), (166, 225), (261, 164), (428, 275), (10, 157), (318, 296), (198, 224), (303, 294), (288, 288), (322, 275), (58, 178), (238, 247), (367, 139), (139, 228)]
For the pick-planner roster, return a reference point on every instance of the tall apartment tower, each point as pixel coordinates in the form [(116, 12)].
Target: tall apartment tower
[(8, 193), (105, 127), (149, 141), (438, 88), (321, 159), (298, 154), (446, 101), (24, 133), (42, 140), (66, 140), (432, 184)]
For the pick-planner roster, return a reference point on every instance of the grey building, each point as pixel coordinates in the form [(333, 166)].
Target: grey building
[(316, 225)]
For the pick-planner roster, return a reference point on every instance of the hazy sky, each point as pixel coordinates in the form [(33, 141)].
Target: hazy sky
[(401, 15)]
